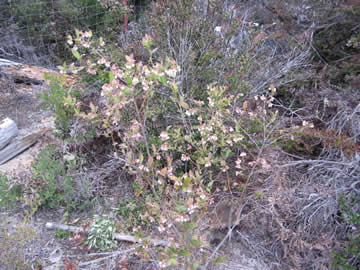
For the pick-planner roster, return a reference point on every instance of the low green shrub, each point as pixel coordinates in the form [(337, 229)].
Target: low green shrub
[(8, 195), (131, 211), (54, 100), (57, 185), (62, 234), (102, 233), (348, 258), (15, 245)]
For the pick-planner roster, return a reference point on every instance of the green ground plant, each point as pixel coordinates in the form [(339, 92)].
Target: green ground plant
[(8, 195), (62, 234), (348, 258), (14, 245), (102, 233), (53, 99), (131, 211), (57, 186)]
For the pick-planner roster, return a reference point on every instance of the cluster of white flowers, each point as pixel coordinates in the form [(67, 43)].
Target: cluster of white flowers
[(213, 138), (211, 102), (185, 157), (239, 138), (137, 136), (144, 168), (182, 218), (164, 136), (307, 124), (207, 163), (238, 162), (164, 147), (171, 72), (162, 263)]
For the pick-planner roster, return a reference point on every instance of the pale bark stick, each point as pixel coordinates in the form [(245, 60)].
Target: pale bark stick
[(118, 236)]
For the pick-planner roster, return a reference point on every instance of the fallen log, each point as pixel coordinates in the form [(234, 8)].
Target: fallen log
[(22, 73), (19, 145), (8, 130), (118, 236)]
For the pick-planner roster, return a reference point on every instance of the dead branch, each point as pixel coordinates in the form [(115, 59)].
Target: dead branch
[(118, 236), (112, 254)]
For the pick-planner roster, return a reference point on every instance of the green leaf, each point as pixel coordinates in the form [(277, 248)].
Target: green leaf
[(111, 76), (274, 116), (184, 252), (195, 242), (191, 226), (129, 81), (141, 158), (209, 186), (162, 79), (228, 153), (76, 54), (172, 261), (181, 208), (184, 105), (220, 259), (186, 181), (127, 92)]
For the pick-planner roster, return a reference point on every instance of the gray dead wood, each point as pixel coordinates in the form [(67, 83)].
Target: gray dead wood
[(118, 236), (5, 62), (8, 130), (19, 145)]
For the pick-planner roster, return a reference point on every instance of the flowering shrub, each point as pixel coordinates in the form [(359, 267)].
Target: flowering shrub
[(179, 158)]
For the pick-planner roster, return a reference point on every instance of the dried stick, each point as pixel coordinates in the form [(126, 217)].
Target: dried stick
[(118, 236), (105, 258)]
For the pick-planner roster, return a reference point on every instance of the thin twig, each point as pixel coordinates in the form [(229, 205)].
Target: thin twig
[(312, 161), (112, 254)]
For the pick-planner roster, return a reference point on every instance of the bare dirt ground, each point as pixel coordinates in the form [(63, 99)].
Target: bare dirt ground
[(19, 102)]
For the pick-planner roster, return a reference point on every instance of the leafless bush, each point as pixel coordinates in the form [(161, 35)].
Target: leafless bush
[(347, 122), (13, 46), (223, 43), (305, 211)]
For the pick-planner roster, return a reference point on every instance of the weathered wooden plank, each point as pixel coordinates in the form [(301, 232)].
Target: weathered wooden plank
[(8, 130), (19, 145)]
